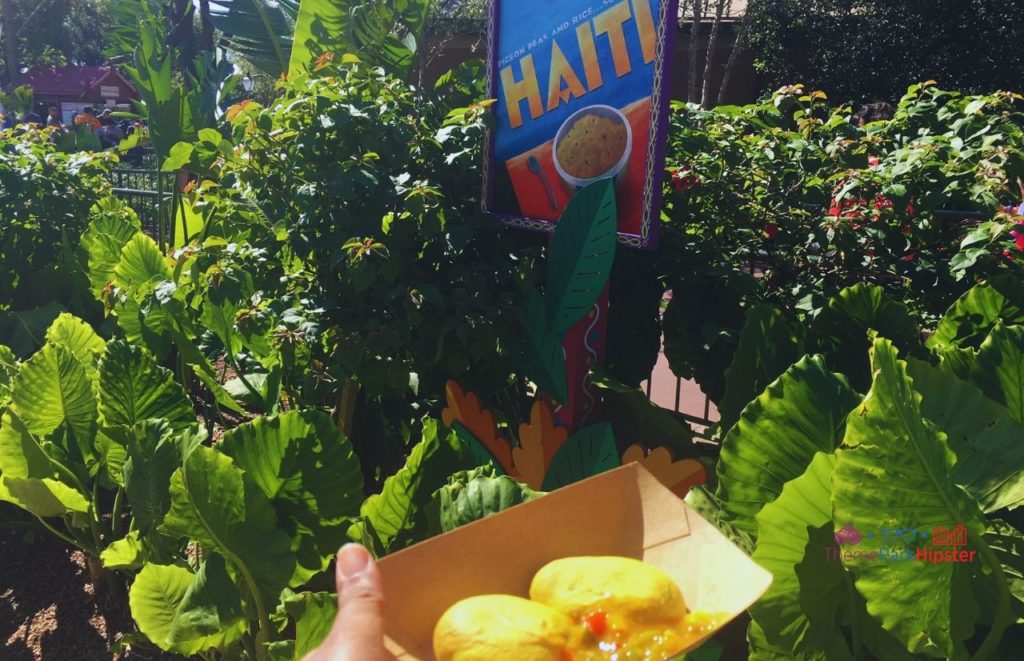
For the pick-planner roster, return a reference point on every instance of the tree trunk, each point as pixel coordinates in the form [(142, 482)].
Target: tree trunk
[(721, 6), (12, 53), (737, 45), (698, 18), (206, 35)]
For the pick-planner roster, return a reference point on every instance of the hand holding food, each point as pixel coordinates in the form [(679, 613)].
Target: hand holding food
[(580, 609)]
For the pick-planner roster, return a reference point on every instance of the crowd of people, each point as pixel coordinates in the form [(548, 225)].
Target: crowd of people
[(107, 128)]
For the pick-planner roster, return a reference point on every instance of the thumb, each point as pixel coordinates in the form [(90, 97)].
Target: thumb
[(358, 630)]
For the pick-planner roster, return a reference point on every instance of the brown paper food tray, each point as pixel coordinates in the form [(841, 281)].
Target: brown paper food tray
[(623, 512)]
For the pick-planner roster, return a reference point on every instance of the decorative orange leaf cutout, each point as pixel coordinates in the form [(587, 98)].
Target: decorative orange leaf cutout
[(464, 408), (539, 440), (679, 476)]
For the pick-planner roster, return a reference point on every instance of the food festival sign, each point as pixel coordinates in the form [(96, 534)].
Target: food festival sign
[(582, 91)]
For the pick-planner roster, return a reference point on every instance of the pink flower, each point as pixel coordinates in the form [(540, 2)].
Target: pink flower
[(1018, 238)]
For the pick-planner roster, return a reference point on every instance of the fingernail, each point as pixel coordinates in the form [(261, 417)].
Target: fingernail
[(353, 560)]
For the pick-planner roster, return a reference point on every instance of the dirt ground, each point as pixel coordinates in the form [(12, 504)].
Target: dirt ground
[(49, 609)]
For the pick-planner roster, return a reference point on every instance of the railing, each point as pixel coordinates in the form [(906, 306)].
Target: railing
[(149, 192)]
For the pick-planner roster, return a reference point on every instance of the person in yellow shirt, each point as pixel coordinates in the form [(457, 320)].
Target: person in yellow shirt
[(88, 118)]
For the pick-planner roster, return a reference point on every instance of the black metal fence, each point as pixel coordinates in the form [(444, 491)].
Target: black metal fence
[(148, 191)]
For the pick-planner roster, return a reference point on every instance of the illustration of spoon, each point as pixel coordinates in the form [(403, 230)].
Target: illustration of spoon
[(534, 164)]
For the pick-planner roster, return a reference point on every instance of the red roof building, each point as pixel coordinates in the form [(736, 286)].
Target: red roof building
[(71, 89)]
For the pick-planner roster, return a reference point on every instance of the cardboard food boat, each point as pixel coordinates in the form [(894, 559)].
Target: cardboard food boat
[(623, 512)]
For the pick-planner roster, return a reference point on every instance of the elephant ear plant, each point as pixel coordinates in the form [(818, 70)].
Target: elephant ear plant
[(889, 515), (101, 445)]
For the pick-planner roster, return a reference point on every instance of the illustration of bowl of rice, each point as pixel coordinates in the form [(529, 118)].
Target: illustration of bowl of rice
[(594, 143)]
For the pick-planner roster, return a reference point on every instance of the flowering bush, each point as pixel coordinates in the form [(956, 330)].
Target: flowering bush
[(788, 202)]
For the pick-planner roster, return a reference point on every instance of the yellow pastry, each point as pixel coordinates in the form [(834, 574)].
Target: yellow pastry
[(626, 587), (495, 627)]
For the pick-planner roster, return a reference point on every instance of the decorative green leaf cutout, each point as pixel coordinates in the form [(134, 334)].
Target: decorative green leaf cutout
[(581, 255), (30, 478), (999, 368), (635, 417), (53, 390), (397, 514), (473, 495), (803, 412), (588, 452), (141, 263), (840, 331), (908, 464), (157, 593), (540, 355), (800, 611), (215, 503), (768, 346), (973, 316), (481, 455), (111, 227), (987, 441), (133, 388), (306, 467)]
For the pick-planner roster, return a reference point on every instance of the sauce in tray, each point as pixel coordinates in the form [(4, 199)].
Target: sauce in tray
[(606, 637)]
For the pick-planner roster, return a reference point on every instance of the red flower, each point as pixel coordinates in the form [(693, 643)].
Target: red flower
[(910, 210), (1018, 239), (906, 228), (1008, 255), (683, 180), (772, 230), (909, 257), (882, 202)]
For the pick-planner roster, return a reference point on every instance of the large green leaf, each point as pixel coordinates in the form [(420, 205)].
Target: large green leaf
[(999, 368), (539, 353), (112, 224), (154, 453), (77, 336), (259, 30), (159, 592), (710, 508), (133, 388), (31, 478), (970, 319), (398, 514), (313, 614), (768, 346), (320, 27), (987, 441), (581, 255), (777, 435), (8, 369), (800, 611), (141, 263), (306, 467), (388, 33), (588, 452), (840, 331), (212, 604), (895, 473), (473, 495), (125, 553), (148, 325), (215, 503), (53, 391)]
